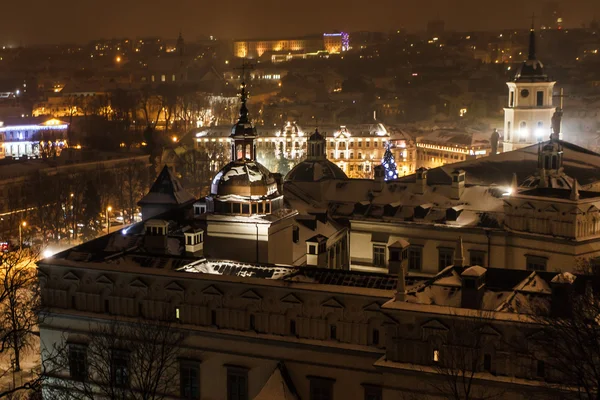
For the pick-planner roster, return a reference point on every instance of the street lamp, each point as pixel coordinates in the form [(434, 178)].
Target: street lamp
[(21, 226), (108, 209)]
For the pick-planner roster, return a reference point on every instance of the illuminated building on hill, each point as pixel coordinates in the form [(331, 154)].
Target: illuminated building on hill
[(301, 47)]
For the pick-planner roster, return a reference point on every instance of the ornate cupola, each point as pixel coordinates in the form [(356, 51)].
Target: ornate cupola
[(316, 147), (243, 133), (316, 167), (527, 119), (244, 186)]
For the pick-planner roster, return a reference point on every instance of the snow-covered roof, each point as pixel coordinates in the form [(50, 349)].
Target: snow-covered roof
[(166, 189)]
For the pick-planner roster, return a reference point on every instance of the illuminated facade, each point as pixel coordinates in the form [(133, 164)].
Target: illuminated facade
[(433, 155), (527, 119), (33, 140), (332, 43)]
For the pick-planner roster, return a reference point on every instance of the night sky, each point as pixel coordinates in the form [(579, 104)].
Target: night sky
[(42, 21)]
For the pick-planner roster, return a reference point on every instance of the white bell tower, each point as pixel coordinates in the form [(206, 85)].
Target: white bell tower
[(527, 119)]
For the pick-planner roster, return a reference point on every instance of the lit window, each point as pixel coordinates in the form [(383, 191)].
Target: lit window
[(436, 355), (177, 313)]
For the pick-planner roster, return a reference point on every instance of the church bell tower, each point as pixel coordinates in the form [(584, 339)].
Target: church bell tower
[(527, 119)]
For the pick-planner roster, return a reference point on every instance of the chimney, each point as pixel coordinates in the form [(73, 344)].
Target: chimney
[(562, 292), (398, 264), (421, 182), (459, 253), (473, 287), (458, 184), (574, 191), (156, 235), (316, 251)]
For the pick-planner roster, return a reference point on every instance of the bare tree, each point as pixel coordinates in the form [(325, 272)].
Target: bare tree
[(462, 354), (120, 360), (20, 308), (566, 346)]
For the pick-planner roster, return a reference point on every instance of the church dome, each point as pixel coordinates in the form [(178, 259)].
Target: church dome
[(315, 171), (243, 178)]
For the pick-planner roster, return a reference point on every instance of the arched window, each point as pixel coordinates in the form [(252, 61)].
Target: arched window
[(248, 154), (523, 134)]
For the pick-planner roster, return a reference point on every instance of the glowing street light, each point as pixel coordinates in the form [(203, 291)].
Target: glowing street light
[(21, 226), (108, 209)]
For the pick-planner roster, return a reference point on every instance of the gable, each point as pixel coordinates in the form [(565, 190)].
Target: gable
[(251, 295), (332, 303), (70, 276), (435, 325), (374, 306), (138, 284), (174, 287), (290, 298), (103, 279), (211, 291)]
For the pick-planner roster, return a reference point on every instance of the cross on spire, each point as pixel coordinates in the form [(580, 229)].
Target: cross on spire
[(243, 94)]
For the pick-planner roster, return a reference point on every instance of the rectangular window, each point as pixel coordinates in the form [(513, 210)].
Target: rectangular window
[(292, 327), (237, 383), (540, 98), (511, 102), (237, 208), (367, 144), (120, 368), (373, 392), (415, 258), (321, 388), (359, 144), (312, 249), (78, 362), (245, 208), (445, 257), (541, 369), (189, 379), (332, 332), (375, 339), (535, 263), (378, 255), (213, 317), (487, 362), (477, 257)]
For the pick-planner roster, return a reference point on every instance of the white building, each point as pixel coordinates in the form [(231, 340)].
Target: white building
[(31, 138), (528, 117)]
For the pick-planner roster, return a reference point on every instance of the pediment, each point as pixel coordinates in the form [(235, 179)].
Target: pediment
[(212, 291), (374, 306), (290, 298), (251, 295), (527, 206), (138, 284), (489, 330), (551, 208), (593, 209), (175, 287), (434, 324), (332, 303), (105, 280), (70, 276)]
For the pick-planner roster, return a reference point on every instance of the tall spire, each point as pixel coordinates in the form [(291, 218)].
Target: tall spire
[(532, 55)]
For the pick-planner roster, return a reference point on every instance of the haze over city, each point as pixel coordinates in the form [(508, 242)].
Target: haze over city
[(46, 22)]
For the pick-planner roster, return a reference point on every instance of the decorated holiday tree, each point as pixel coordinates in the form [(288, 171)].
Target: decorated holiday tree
[(389, 164)]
